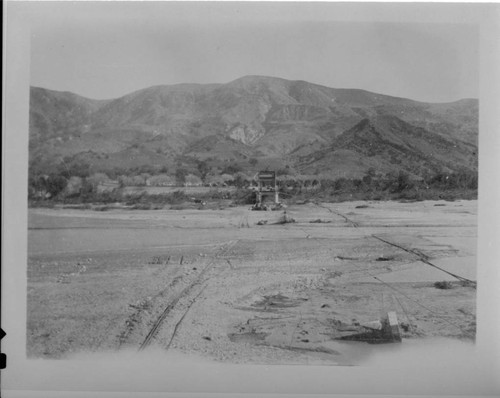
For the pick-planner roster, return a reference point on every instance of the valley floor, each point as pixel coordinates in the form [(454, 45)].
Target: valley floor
[(215, 284)]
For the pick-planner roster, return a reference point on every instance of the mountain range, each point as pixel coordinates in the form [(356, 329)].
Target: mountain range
[(305, 127)]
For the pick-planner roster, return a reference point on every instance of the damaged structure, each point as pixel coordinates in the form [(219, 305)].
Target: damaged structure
[(386, 330), (266, 187)]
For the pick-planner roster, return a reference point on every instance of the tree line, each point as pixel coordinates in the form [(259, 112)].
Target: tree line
[(77, 183)]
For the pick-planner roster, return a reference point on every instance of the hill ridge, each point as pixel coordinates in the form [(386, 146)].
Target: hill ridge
[(258, 77), (282, 121)]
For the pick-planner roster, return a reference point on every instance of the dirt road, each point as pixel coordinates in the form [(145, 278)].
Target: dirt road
[(217, 284)]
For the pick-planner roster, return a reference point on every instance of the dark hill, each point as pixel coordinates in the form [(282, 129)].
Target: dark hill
[(388, 143)]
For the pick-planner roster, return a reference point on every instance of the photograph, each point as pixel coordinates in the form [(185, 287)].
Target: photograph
[(250, 198)]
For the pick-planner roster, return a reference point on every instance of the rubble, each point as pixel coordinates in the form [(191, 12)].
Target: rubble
[(320, 221), (382, 331)]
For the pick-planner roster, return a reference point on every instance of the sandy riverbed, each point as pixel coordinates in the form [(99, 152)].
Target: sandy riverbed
[(245, 293)]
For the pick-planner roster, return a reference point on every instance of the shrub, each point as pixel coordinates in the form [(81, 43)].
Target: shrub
[(192, 179), (73, 187), (180, 175), (178, 197), (403, 182), (142, 206), (55, 184), (96, 179), (162, 180), (232, 168), (443, 285)]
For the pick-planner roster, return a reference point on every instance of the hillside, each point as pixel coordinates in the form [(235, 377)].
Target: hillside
[(274, 120), (54, 113), (389, 144)]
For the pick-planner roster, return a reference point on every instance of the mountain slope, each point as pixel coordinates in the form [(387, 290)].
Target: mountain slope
[(254, 116), (55, 112), (388, 143)]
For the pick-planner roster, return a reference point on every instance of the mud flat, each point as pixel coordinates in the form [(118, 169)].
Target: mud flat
[(214, 283)]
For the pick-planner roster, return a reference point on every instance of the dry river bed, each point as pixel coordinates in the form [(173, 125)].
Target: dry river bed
[(214, 283)]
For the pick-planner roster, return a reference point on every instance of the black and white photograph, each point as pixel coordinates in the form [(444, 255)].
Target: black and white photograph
[(250, 198)]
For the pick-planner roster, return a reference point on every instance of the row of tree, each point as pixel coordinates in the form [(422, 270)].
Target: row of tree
[(60, 186)]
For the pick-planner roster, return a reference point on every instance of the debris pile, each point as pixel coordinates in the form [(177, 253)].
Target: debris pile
[(285, 219), (160, 260), (385, 330), (443, 285)]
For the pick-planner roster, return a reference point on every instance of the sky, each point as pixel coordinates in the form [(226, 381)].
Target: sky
[(109, 49)]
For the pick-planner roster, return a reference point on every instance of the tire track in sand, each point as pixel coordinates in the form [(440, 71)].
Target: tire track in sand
[(187, 297)]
